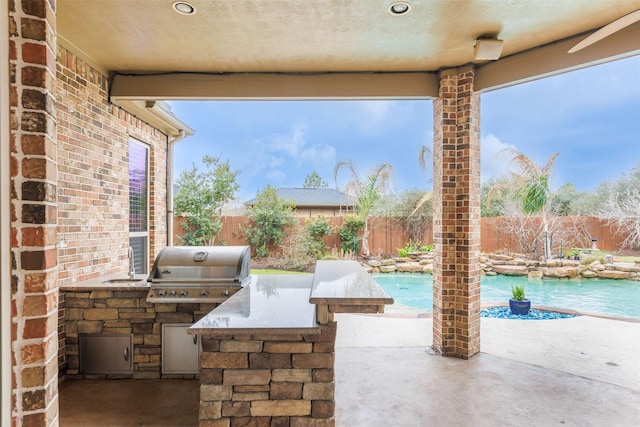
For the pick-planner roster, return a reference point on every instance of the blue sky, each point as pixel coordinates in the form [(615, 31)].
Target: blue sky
[(591, 117)]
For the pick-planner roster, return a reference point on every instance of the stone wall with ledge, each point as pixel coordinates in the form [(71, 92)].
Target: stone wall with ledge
[(121, 310), (517, 265), (268, 379), (268, 352)]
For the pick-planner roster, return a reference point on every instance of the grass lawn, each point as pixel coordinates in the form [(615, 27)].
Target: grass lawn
[(271, 271), (627, 258)]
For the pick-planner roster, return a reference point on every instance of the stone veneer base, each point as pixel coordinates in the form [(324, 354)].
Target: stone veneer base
[(111, 311), (268, 379)]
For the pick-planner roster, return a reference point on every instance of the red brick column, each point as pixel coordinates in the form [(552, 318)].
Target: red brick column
[(456, 183), (32, 41)]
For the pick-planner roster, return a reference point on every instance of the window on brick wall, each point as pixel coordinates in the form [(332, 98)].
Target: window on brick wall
[(139, 204)]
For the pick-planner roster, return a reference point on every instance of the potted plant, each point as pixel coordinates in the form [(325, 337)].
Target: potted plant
[(518, 303)]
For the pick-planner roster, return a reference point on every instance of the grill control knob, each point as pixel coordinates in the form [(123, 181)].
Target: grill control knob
[(225, 293), (204, 293), (172, 293), (162, 293), (184, 293)]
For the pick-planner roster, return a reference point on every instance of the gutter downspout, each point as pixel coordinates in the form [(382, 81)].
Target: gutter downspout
[(171, 142)]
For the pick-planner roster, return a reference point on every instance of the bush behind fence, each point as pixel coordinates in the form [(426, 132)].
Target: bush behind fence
[(512, 234)]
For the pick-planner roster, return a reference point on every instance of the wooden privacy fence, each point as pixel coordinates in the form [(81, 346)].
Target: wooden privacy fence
[(518, 234), (500, 233)]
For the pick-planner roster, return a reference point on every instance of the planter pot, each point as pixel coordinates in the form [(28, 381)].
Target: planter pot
[(520, 307)]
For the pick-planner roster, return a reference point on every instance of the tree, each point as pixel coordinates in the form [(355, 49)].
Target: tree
[(494, 197), (271, 214), (622, 207), (530, 188), (563, 200), (349, 234), (316, 230), (367, 190), (314, 180), (413, 209), (200, 198), (569, 201)]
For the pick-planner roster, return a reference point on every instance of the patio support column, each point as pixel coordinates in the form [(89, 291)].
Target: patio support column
[(456, 206), (33, 213)]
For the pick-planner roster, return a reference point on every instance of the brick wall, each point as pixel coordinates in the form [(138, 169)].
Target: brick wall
[(93, 180), (93, 175)]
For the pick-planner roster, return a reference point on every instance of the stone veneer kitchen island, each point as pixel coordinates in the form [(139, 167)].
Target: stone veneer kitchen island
[(268, 352)]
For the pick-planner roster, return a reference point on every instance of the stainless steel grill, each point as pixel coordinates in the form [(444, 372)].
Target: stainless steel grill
[(198, 273)]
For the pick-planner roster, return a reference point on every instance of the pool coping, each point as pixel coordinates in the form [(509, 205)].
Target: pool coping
[(428, 315)]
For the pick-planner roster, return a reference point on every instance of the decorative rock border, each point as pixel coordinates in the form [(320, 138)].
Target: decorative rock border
[(517, 265)]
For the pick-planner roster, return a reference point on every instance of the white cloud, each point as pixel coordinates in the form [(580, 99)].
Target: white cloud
[(276, 176), (275, 156), (492, 162), (373, 114)]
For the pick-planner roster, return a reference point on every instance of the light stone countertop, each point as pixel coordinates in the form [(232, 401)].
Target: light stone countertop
[(286, 303), (273, 303), (346, 283), (110, 283)]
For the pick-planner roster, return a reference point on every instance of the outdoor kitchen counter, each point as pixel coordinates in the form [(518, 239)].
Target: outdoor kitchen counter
[(274, 303), (344, 284), (268, 352), (118, 283), (296, 303)]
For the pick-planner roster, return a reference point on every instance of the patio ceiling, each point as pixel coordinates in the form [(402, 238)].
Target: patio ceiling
[(235, 48)]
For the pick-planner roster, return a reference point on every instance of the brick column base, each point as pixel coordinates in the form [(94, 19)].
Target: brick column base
[(266, 379)]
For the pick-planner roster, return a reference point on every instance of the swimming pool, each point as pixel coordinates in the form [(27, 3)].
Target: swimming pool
[(608, 297)]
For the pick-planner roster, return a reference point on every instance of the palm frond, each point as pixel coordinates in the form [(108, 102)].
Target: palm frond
[(423, 155)]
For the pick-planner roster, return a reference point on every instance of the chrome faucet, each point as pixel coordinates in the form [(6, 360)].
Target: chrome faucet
[(132, 268)]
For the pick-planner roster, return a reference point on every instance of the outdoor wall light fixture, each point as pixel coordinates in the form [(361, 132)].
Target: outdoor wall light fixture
[(399, 8), (488, 49), (183, 8)]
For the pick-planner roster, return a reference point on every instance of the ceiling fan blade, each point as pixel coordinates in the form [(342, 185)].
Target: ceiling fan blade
[(607, 30)]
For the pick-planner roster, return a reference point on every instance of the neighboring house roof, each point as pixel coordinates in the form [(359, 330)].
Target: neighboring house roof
[(313, 197)]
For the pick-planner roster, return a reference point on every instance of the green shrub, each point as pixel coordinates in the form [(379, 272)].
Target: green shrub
[(295, 254), (588, 259), (350, 233), (316, 229), (271, 215), (413, 246), (572, 252)]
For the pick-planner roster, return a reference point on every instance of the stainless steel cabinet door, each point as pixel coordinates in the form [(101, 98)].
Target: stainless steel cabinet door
[(180, 351), (106, 354)]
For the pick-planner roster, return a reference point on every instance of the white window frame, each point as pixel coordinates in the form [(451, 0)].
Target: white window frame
[(145, 262)]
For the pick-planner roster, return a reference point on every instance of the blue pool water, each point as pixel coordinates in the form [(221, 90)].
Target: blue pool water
[(608, 297)]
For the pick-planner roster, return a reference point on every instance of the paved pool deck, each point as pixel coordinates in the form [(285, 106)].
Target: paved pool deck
[(582, 371)]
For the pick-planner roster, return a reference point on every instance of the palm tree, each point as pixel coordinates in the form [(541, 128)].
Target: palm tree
[(368, 190), (423, 154), (531, 188)]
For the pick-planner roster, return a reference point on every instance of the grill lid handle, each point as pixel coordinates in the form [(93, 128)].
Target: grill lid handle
[(200, 256)]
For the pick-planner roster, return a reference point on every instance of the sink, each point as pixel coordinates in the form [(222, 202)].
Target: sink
[(123, 280)]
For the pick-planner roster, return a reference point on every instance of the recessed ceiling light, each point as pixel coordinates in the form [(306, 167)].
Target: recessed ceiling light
[(399, 8), (183, 8)]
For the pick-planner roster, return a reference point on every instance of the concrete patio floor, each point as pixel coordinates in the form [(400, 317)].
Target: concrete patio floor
[(583, 371)]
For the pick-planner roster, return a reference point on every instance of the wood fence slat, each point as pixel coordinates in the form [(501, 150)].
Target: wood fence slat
[(387, 234)]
